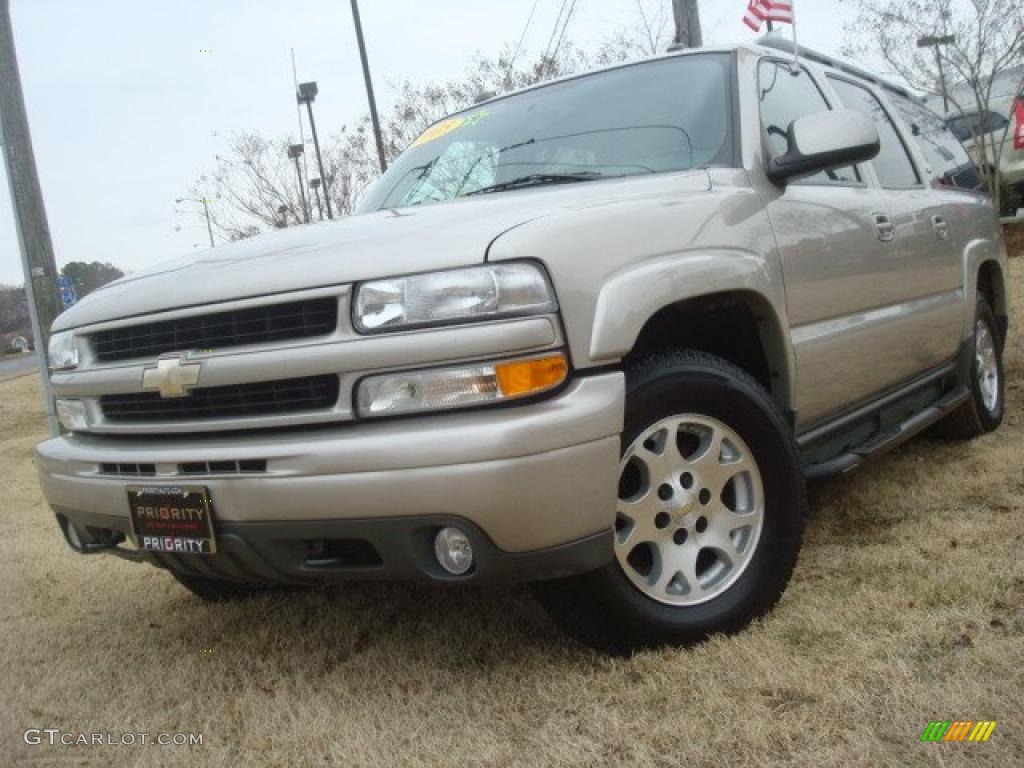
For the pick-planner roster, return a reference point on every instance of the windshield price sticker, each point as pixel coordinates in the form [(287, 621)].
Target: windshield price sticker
[(445, 127)]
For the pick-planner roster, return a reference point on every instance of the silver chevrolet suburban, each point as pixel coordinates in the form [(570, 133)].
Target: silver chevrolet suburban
[(593, 335)]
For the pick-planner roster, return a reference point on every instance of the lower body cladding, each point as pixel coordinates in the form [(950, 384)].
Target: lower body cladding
[(531, 488)]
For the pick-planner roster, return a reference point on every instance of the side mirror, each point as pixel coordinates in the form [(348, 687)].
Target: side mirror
[(823, 141)]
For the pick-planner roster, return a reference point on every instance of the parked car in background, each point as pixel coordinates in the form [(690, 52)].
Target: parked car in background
[(1000, 127), (593, 335)]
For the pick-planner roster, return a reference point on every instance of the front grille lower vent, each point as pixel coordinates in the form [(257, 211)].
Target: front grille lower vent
[(266, 398), (129, 470), (243, 467), (253, 325)]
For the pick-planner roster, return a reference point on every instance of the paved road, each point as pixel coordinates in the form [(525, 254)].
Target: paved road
[(16, 365)]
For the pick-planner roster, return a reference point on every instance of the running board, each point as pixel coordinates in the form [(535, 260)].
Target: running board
[(888, 439)]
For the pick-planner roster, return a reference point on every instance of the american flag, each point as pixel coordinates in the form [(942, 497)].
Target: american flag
[(760, 11)]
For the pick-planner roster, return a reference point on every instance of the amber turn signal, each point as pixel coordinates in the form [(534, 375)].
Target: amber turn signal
[(523, 377)]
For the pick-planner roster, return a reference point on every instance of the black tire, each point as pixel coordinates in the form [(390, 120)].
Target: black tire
[(973, 419), (603, 609), (217, 590)]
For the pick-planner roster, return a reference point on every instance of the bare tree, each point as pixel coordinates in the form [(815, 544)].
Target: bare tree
[(988, 38), (649, 34), (13, 310), (254, 186)]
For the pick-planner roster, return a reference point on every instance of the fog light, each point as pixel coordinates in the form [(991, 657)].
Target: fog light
[(453, 550), (72, 415)]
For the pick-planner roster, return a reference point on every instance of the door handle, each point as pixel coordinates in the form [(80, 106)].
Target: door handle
[(941, 227), (884, 227)]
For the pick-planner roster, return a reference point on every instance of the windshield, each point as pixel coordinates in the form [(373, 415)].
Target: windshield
[(671, 114)]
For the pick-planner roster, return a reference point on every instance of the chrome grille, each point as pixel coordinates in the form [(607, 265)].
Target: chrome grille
[(253, 325), (265, 398)]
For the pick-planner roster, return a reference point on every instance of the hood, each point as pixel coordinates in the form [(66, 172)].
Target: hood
[(351, 249)]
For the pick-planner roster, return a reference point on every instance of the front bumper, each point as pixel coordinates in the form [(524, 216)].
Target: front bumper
[(533, 485)]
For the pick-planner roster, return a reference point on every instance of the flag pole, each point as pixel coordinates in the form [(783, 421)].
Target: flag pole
[(796, 50)]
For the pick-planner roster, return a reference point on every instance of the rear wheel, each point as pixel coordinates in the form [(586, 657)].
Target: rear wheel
[(710, 513), (982, 412)]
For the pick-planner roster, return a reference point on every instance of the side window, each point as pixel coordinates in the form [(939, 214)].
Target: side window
[(948, 159), (893, 164), (784, 97)]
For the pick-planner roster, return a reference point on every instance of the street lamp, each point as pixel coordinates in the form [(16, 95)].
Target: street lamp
[(295, 152), (315, 184), (206, 211), (933, 41), (306, 95)]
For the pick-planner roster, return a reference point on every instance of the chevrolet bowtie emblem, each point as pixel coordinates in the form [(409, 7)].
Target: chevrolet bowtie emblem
[(173, 377)]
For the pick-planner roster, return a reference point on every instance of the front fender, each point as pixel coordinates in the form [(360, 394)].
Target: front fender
[(631, 297), (663, 239)]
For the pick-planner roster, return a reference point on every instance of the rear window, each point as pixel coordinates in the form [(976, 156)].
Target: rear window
[(946, 156), (969, 124)]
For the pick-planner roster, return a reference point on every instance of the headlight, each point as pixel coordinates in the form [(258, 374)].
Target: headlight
[(63, 352), (440, 388), (477, 293)]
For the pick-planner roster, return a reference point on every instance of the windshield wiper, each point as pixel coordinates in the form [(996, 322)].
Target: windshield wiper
[(536, 179)]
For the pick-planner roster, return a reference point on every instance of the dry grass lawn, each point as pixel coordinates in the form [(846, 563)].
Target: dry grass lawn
[(907, 606)]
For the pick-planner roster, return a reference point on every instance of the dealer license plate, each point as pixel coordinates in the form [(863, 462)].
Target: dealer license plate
[(172, 518)]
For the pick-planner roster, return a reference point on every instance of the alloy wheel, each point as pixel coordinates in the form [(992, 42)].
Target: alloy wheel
[(690, 509), (986, 367)]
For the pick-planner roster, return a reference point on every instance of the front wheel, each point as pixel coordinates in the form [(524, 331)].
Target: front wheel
[(710, 513)]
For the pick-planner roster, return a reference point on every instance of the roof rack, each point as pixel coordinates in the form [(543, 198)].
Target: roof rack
[(781, 44)]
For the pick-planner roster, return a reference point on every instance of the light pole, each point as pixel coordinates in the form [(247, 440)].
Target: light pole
[(206, 212), (315, 184), (369, 87), (933, 41), (306, 95), (295, 152)]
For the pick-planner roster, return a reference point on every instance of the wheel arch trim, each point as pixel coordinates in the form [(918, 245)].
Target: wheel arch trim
[(631, 298), (976, 263)]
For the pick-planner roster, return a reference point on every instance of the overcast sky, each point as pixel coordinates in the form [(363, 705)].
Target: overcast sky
[(127, 108)]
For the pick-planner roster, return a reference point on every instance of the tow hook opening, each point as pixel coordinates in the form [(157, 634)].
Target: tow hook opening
[(87, 540)]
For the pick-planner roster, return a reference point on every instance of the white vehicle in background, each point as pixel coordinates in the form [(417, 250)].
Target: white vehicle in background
[(1004, 119)]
